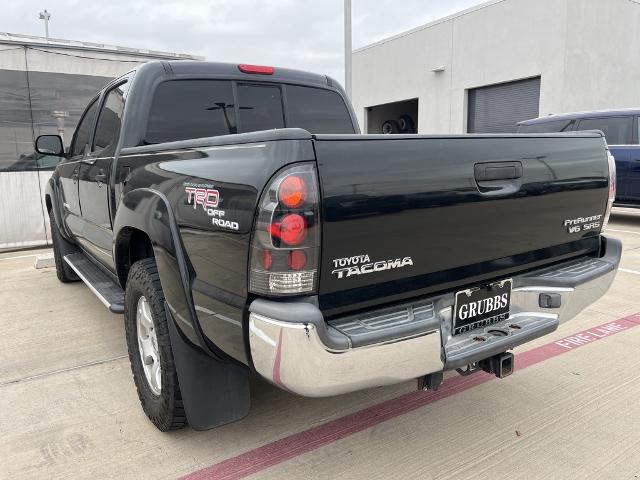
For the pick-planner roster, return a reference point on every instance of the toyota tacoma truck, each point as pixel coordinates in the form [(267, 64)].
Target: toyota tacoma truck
[(243, 226)]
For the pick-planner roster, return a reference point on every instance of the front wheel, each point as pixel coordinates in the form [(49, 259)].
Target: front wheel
[(150, 355)]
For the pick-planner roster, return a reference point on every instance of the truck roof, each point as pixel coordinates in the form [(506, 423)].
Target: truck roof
[(149, 75), (584, 114), (188, 67)]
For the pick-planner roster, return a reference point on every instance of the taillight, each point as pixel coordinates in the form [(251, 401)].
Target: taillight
[(267, 259), (612, 188), (286, 241), (292, 191), (297, 259), (290, 229)]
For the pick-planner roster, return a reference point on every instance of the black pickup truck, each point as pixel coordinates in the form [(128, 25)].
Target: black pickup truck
[(241, 223)]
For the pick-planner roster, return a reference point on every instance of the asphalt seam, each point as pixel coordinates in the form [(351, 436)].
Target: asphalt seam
[(626, 270), (622, 231), (17, 257), (61, 370)]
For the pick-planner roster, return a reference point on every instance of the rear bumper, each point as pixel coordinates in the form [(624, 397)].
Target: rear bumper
[(293, 346)]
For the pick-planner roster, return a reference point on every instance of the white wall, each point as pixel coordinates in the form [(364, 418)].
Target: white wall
[(586, 51), (22, 221), (602, 63)]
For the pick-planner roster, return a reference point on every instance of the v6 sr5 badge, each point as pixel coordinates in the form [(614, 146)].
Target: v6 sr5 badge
[(208, 197)]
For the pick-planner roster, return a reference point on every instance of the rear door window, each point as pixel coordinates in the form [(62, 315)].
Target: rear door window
[(317, 110), (617, 130), (110, 120), (83, 131), (260, 107), (547, 127), (184, 109)]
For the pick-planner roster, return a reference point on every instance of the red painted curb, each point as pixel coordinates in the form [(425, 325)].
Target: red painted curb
[(299, 443)]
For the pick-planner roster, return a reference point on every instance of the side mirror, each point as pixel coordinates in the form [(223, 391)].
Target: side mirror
[(50, 145)]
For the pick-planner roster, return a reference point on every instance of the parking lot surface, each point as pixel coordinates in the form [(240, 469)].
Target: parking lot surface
[(68, 407)]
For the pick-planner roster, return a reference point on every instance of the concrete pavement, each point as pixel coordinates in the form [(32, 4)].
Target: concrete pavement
[(68, 407)]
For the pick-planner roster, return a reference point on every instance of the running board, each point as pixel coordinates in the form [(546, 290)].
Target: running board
[(108, 291)]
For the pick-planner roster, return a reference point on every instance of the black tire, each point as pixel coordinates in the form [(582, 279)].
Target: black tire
[(166, 410), (62, 247), (406, 124), (390, 127)]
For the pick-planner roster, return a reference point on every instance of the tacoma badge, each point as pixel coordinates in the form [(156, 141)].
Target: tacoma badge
[(361, 265)]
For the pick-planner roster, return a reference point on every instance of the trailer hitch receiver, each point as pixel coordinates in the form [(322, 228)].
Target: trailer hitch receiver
[(501, 365)]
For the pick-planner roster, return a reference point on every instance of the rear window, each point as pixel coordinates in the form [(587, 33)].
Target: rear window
[(260, 107), (547, 127), (617, 130), (184, 109), (191, 109), (317, 110)]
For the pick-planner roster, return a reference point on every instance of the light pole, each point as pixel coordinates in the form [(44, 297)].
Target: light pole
[(347, 47), (46, 16)]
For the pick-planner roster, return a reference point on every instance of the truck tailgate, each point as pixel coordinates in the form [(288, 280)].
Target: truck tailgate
[(408, 215)]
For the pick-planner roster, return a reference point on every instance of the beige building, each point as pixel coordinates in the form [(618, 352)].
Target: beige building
[(486, 68)]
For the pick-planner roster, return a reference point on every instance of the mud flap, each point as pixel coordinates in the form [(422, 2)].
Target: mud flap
[(214, 393)]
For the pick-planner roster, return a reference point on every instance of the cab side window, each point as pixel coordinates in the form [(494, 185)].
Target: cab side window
[(110, 120), (617, 130), (83, 132)]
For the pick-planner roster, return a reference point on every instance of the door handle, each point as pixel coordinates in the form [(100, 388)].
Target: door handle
[(498, 179), (487, 172)]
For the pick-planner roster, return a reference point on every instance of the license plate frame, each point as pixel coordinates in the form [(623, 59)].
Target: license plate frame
[(477, 299)]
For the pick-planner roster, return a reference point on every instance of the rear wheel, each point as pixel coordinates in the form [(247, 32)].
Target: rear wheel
[(62, 247), (149, 347)]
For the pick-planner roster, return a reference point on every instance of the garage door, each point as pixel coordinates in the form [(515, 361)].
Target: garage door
[(498, 108)]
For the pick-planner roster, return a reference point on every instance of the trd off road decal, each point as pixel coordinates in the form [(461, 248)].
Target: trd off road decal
[(208, 198), (362, 265)]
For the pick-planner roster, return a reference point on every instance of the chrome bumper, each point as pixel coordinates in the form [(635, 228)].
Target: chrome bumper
[(294, 348)]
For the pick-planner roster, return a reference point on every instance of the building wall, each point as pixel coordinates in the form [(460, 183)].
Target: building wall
[(586, 52), (602, 55)]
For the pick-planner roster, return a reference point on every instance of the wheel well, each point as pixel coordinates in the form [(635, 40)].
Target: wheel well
[(47, 201), (132, 245)]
